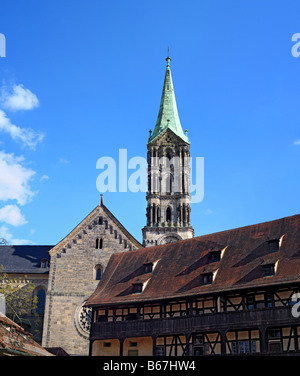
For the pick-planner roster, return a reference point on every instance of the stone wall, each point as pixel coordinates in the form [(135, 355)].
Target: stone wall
[(72, 278)]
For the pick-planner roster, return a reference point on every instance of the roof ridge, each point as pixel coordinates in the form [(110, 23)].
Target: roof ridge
[(246, 226)]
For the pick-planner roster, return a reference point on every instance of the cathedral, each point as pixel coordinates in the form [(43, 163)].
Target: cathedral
[(102, 292), (79, 260), (65, 275)]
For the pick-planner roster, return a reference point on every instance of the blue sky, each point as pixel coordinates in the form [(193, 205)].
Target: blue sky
[(83, 79)]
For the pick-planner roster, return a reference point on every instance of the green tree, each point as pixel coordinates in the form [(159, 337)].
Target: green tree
[(18, 295)]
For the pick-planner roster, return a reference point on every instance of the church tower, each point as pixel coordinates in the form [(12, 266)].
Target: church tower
[(168, 196)]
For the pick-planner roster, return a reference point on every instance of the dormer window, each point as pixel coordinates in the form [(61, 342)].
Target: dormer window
[(148, 267), (137, 287), (273, 245), (268, 270), (215, 256), (44, 263), (207, 278)]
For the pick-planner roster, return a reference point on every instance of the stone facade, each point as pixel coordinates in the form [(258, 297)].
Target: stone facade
[(77, 263)]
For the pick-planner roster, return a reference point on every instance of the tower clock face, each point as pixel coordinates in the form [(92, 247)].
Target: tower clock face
[(169, 239)]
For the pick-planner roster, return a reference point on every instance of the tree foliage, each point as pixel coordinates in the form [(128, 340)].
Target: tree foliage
[(18, 295)]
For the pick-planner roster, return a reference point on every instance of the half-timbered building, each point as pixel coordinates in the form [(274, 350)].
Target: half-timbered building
[(232, 292)]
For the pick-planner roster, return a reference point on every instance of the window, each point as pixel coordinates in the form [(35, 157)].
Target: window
[(99, 243), (274, 340), (41, 296), (243, 341), (137, 288), (215, 256), (44, 263), (250, 299), (269, 300), (243, 347), (100, 220), (273, 245), (98, 272), (207, 278), (268, 270), (133, 344), (107, 344), (168, 214), (274, 333), (148, 267)]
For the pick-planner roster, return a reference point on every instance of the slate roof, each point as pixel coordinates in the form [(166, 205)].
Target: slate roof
[(181, 265), (24, 258)]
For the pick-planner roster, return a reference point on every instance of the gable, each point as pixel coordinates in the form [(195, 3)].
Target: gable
[(90, 222), (168, 137)]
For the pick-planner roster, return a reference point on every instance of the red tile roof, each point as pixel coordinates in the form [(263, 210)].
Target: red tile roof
[(14, 340), (178, 272)]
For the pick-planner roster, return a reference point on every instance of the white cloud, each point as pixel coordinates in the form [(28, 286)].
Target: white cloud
[(18, 98), (297, 142), (28, 137), (11, 214), (7, 235), (44, 177), (15, 179), (64, 160)]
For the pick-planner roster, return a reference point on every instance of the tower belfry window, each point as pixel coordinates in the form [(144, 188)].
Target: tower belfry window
[(168, 214)]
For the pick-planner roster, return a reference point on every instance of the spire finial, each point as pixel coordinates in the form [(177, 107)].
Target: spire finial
[(101, 199), (168, 59)]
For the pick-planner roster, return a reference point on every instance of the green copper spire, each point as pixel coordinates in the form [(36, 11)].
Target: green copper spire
[(168, 114)]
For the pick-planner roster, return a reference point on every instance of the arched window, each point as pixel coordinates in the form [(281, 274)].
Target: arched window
[(99, 243), (100, 221), (98, 272), (168, 214), (40, 293)]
